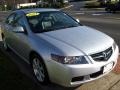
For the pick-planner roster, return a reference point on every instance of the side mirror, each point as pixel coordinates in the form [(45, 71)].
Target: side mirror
[(19, 29), (78, 20)]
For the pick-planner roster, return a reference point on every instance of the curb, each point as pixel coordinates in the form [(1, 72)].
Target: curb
[(117, 67)]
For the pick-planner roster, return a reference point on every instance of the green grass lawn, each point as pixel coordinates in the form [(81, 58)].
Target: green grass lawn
[(11, 78)]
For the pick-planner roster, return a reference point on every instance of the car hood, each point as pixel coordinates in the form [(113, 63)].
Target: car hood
[(82, 38)]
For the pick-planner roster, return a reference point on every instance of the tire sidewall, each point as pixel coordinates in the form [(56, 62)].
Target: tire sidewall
[(46, 79)]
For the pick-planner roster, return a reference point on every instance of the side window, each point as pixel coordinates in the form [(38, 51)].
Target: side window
[(19, 20), (10, 19)]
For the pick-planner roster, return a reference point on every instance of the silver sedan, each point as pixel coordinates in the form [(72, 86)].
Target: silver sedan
[(59, 48)]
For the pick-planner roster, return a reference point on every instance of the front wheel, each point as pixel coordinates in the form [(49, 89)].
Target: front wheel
[(39, 70)]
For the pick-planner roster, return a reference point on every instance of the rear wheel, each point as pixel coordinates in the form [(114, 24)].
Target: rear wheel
[(5, 44), (39, 69)]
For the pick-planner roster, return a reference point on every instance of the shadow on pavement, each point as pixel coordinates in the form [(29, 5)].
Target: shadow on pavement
[(26, 70)]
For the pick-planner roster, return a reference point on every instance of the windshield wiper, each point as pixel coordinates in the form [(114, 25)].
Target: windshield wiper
[(45, 30), (70, 26), (57, 28), (63, 27)]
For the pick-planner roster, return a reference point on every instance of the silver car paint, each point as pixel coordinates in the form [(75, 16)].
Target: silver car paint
[(81, 38)]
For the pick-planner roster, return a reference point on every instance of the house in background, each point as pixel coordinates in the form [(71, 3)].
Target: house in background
[(13, 4)]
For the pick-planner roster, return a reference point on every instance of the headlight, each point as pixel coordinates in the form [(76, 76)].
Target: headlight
[(114, 46), (69, 59)]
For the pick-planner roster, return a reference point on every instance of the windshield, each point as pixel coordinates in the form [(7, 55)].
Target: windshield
[(50, 21)]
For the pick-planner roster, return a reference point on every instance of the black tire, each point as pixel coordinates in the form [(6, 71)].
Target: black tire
[(5, 46), (44, 80)]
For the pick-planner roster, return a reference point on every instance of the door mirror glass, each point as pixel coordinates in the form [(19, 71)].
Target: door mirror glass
[(18, 29)]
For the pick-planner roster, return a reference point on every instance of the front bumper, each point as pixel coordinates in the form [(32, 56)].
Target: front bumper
[(74, 75)]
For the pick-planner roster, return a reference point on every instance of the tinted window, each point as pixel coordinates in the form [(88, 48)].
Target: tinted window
[(49, 21), (18, 21), (10, 19)]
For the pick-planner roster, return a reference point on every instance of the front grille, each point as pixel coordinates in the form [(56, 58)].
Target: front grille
[(103, 56)]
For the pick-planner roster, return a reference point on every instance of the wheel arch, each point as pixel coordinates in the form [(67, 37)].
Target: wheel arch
[(36, 53)]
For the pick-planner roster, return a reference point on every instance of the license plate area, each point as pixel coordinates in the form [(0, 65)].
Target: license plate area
[(108, 67)]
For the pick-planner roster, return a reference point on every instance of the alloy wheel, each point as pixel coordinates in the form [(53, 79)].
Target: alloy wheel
[(38, 70)]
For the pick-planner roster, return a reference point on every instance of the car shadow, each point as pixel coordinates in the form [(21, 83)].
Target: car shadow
[(26, 70)]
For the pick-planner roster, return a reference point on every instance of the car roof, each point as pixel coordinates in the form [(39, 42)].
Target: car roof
[(36, 10)]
